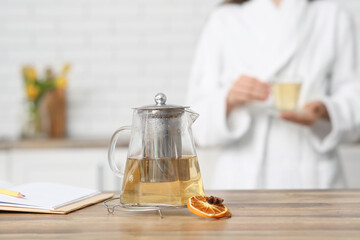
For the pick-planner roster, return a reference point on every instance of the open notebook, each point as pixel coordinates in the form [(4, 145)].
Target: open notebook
[(50, 197)]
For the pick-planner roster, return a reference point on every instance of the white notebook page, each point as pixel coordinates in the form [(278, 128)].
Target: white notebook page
[(46, 195)]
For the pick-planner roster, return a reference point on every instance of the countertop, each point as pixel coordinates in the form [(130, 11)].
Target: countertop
[(284, 214), (48, 143)]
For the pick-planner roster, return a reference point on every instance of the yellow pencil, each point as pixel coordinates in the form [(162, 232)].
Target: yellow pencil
[(11, 193)]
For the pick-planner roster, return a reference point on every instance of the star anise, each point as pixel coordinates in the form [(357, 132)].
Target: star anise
[(214, 200)]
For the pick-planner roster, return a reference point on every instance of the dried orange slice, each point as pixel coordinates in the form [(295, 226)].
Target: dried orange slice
[(200, 206)]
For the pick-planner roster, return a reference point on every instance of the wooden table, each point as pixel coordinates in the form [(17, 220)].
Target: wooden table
[(256, 215)]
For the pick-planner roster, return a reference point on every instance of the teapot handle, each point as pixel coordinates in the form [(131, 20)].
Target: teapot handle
[(111, 153)]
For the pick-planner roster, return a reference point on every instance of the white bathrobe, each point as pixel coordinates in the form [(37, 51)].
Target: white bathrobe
[(313, 40)]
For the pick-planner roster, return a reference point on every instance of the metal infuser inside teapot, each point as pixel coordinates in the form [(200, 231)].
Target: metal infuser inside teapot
[(161, 167)]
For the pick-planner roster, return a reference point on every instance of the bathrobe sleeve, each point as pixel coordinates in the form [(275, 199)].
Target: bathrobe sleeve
[(343, 103), (208, 90)]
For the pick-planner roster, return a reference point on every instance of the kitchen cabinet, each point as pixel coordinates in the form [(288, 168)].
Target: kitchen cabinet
[(80, 166), (350, 155), (3, 165), (350, 158)]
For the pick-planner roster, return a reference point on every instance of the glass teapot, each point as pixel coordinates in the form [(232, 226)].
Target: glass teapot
[(162, 167)]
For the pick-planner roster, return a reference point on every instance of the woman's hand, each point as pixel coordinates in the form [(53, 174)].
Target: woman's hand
[(246, 89), (314, 111)]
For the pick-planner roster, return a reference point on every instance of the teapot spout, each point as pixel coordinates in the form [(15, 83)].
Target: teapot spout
[(192, 116)]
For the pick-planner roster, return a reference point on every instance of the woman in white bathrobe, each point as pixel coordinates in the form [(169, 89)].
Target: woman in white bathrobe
[(245, 45)]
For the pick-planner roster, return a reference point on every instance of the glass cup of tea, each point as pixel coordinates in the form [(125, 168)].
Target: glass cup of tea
[(286, 91)]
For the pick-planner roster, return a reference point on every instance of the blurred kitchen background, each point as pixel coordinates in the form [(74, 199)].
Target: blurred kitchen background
[(121, 52)]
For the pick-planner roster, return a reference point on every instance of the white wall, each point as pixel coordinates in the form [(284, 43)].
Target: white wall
[(122, 51)]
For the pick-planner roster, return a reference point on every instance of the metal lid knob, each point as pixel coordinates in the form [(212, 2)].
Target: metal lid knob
[(160, 99)]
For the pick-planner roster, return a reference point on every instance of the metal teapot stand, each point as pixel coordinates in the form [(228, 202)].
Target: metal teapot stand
[(135, 208)]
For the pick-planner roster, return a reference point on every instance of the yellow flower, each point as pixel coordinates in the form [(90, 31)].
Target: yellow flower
[(60, 82), (65, 69), (32, 91), (32, 75), (29, 74)]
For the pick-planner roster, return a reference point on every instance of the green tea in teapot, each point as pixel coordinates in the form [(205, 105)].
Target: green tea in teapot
[(169, 181)]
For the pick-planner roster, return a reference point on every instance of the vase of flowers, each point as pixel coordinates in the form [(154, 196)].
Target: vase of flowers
[(37, 89)]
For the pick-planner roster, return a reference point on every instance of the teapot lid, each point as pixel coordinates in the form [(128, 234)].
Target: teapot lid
[(160, 100)]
